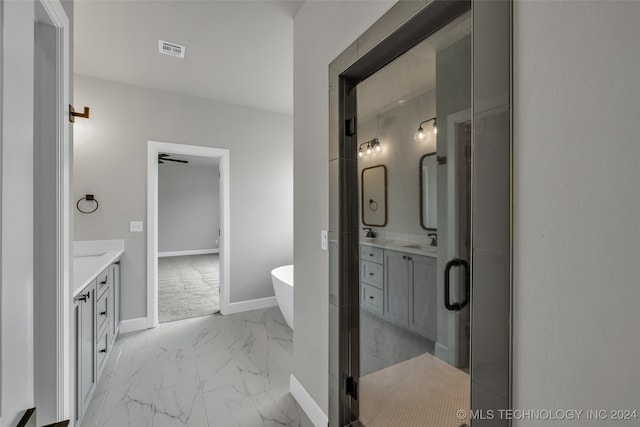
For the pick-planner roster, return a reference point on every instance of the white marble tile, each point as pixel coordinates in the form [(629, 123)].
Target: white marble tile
[(217, 369), (229, 407), (274, 374), (214, 370), (128, 405), (171, 372), (135, 366), (278, 408), (192, 337), (179, 406)]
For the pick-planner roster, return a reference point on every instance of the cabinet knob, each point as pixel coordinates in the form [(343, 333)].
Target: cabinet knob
[(104, 350), (370, 297), (370, 274), (103, 313), (104, 282)]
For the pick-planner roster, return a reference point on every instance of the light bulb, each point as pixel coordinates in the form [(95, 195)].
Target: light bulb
[(360, 153), (378, 148), (368, 149), (420, 133), (435, 128)]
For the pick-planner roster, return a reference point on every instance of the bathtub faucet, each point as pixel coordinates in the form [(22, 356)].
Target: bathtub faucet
[(370, 233)]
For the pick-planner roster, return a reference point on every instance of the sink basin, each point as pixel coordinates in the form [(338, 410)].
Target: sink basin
[(89, 254)]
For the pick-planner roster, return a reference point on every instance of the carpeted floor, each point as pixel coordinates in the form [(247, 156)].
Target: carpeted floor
[(419, 392), (188, 286)]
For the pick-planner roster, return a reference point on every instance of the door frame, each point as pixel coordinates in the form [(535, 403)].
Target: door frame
[(401, 28), (153, 149), (55, 313)]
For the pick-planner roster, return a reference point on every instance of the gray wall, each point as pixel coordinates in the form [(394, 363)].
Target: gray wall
[(188, 207), (111, 158), (395, 128), (325, 29), (577, 206)]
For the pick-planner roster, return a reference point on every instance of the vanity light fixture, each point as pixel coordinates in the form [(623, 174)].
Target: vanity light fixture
[(371, 147), (420, 134)]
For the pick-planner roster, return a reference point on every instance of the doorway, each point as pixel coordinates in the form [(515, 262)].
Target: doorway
[(185, 266), (420, 287), (188, 236)]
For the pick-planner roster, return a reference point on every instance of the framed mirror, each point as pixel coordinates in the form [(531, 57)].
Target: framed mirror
[(429, 191), (374, 196)]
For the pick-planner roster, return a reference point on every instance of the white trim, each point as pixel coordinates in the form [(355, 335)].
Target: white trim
[(306, 402), (153, 149), (253, 304), (133, 325), (185, 253), (60, 21)]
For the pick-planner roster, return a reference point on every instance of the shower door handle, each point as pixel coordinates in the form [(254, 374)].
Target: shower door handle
[(457, 306)]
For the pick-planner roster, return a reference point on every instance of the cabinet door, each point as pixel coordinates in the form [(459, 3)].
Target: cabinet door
[(111, 308), (114, 273), (396, 288), (423, 291), (86, 361)]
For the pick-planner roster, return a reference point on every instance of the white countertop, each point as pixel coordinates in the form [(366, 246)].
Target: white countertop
[(402, 246), (90, 258)]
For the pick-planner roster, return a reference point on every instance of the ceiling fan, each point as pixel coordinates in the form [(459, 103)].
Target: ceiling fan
[(164, 157)]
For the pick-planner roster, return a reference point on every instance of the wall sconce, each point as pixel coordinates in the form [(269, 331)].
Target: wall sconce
[(371, 147), (420, 134), (73, 114)]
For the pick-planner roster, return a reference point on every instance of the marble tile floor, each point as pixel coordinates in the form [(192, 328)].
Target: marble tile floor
[(208, 371)]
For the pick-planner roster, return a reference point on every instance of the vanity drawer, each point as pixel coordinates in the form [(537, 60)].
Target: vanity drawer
[(371, 253), (102, 349), (371, 273), (102, 282), (102, 312), (372, 298)]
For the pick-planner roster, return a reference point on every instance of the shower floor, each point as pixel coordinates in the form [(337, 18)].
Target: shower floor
[(419, 392)]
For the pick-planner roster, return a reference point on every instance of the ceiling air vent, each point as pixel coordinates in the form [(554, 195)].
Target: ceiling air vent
[(171, 49)]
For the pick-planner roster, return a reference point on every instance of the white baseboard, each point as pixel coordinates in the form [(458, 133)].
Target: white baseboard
[(254, 304), (132, 325), (193, 252), (306, 402)]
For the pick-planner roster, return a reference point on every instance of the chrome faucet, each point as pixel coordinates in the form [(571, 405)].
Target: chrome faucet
[(370, 232), (434, 239)]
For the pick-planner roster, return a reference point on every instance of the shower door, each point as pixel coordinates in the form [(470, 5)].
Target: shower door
[(403, 351)]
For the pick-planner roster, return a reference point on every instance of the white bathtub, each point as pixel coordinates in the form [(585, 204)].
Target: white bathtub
[(282, 278)]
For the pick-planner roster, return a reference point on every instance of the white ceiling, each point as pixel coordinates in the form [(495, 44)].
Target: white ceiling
[(409, 75), (237, 51)]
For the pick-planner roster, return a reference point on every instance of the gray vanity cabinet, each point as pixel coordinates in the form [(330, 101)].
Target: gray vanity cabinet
[(97, 322), (396, 287), (423, 295), (85, 335)]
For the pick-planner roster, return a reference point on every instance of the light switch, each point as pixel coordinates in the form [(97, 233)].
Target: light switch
[(136, 226), (323, 240)]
